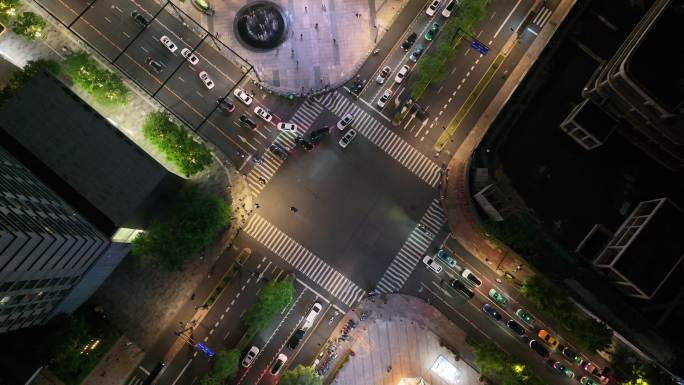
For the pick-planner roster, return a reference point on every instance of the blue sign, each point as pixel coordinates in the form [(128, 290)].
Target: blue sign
[(204, 349), (479, 47)]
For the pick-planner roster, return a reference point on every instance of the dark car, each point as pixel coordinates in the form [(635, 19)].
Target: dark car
[(571, 355), (357, 87), (409, 41), (461, 288), (157, 66), (304, 143), (295, 339), (317, 135), (489, 309), (140, 19), (516, 327), (539, 348), (247, 122), (224, 104), (278, 151)]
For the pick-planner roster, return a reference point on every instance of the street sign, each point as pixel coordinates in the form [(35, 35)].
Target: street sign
[(204, 349), (479, 47)]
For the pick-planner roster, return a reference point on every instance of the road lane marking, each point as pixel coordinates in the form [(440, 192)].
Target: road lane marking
[(506, 19), (181, 372)]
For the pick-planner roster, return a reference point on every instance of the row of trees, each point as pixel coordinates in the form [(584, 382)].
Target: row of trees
[(433, 66), (26, 24), (496, 364), (589, 334), (105, 86), (174, 141), (19, 78)]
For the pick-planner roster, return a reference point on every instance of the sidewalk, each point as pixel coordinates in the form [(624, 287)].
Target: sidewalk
[(327, 44), (464, 223)]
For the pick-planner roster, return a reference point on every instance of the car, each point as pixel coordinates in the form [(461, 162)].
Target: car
[(140, 19), (205, 78), (471, 277), (345, 121), (384, 98), (432, 264), (286, 127), (383, 75), (430, 34), (316, 135), (462, 288), (347, 138), (410, 39), (498, 297), (157, 66), (489, 309), (571, 355), (304, 143), (189, 56), (432, 8), (586, 380), (313, 313), (401, 74), (278, 151), (446, 258), (225, 104), (357, 86), (262, 113), (296, 338), (564, 370), (590, 367), (446, 12), (516, 327), (242, 96), (278, 364), (548, 339), (523, 315), (248, 122), (168, 43), (539, 348), (416, 54), (250, 356)]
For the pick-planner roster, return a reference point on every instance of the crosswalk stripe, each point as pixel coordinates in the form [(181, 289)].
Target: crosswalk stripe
[(303, 260), (412, 250)]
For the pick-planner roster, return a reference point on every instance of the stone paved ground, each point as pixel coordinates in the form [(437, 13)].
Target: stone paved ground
[(311, 58)]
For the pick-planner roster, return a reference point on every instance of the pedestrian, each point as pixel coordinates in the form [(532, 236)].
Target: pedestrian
[(301, 36), (262, 180), (293, 209), (192, 296), (257, 205), (316, 25), (306, 9), (334, 41)]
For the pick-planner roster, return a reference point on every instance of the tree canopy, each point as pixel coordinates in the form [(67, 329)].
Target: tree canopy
[(225, 367), (271, 300), (29, 25), (105, 86), (494, 362), (191, 224), (301, 375)]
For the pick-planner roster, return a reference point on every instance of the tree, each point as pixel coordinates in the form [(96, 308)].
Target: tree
[(29, 25), (8, 8), (20, 77), (494, 362), (177, 145), (590, 334), (648, 374), (226, 364), (301, 375), (191, 223), (105, 86), (271, 300)]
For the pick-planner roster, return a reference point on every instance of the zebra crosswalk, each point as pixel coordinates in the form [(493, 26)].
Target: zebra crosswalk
[(303, 260), (384, 138), (542, 17), (413, 249), (269, 164)]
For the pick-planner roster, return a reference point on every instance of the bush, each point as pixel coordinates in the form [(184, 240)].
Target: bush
[(271, 300), (494, 362), (301, 375), (191, 223), (105, 86), (29, 25), (179, 147)]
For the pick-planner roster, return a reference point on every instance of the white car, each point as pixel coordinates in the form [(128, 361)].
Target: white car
[(401, 74), (345, 121), (262, 113), (242, 95), (287, 127), (278, 364), (347, 138), (472, 278), (384, 98), (383, 75), (205, 78), (189, 56), (446, 12), (250, 356), (168, 43), (432, 8), (432, 264)]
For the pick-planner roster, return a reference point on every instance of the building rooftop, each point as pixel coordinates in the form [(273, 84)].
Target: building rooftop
[(655, 64), (87, 154), (594, 120)]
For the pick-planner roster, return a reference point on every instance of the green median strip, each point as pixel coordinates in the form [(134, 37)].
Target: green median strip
[(470, 101), (225, 280)]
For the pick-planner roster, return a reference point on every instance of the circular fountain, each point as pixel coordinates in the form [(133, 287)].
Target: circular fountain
[(261, 26)]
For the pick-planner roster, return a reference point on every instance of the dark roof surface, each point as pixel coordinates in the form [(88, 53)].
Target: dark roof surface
[(595, 120), (656, 250), (86, 152)]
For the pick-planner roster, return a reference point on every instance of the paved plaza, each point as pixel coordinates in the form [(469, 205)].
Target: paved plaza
[(328, 40)]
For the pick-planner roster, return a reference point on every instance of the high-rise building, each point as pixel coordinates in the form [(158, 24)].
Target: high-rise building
[(73, 192)]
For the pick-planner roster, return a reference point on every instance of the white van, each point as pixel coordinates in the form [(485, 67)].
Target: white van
[(313, 313)]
